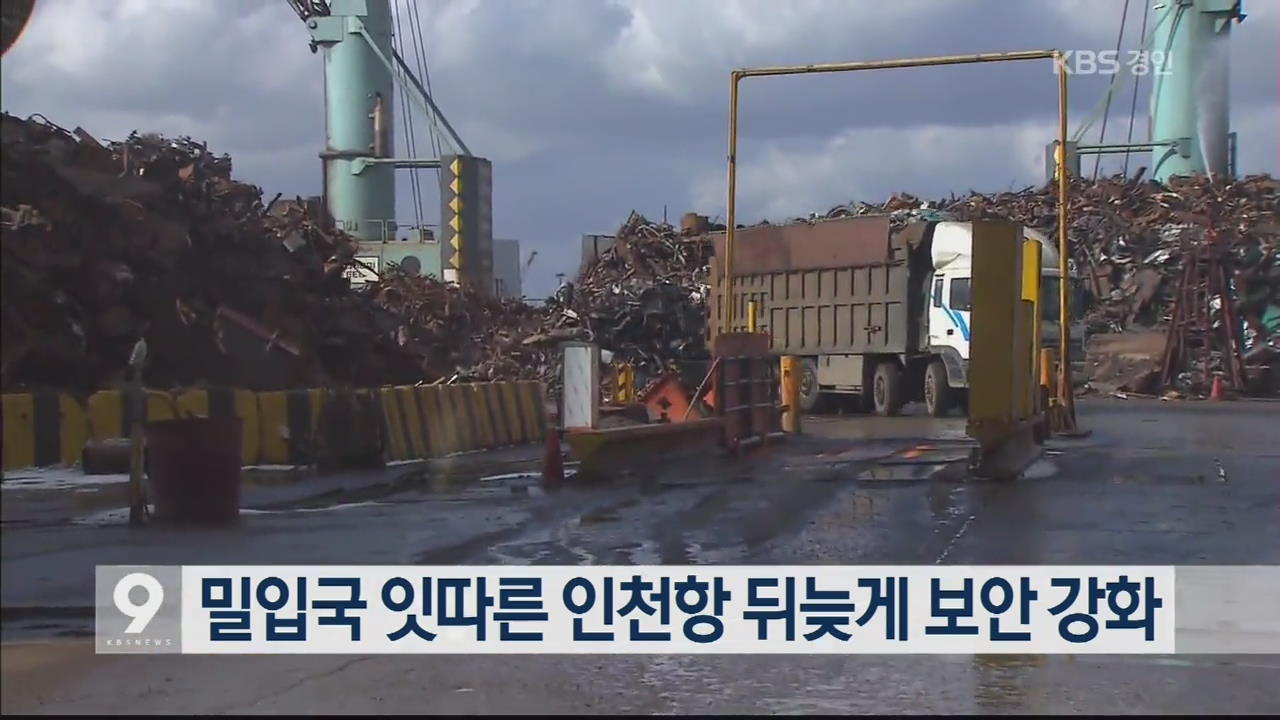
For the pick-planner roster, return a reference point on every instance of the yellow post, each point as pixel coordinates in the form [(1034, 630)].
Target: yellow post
[(137, 396), (791, 393), (1001, 382), (1031, 293), (1046, 369), (994, 402), (751, 316), (1066, 392), (726, 285), (626, 385)]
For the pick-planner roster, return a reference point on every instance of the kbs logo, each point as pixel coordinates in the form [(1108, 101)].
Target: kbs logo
[(138, 609), (139, 614), (1109, 62)]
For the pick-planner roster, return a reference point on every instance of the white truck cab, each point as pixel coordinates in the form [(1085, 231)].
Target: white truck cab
[(950, 297)]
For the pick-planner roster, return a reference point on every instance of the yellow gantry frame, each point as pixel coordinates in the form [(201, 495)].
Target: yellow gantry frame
[(1065, 396)]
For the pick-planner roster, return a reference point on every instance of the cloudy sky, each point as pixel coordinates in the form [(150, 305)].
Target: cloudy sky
[(590, 108)]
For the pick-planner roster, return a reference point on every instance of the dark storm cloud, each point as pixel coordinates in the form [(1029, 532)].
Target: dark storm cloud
[(590, 108)]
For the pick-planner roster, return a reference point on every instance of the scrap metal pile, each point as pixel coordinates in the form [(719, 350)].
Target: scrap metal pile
[(1128, 235), (643, 301), (151, 238), (458, 335), (645, 298)]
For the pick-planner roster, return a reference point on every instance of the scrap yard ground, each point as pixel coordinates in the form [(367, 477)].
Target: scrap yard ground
[(1156, 483)]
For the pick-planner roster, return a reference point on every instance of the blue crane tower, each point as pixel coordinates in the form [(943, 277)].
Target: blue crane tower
[(1190, 118), (361, 70), (1186, 57)]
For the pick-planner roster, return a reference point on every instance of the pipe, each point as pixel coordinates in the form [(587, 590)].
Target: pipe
[(380, 127), (903, 63), (1065, 394), (727, 285)]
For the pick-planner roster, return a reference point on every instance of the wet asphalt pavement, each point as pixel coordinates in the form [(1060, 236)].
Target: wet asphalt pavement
[(1156, 483)]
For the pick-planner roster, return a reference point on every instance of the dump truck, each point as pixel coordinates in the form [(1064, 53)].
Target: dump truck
[(877, 309)]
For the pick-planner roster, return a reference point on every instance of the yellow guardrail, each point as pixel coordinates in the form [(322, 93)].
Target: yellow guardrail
[(282, 427)]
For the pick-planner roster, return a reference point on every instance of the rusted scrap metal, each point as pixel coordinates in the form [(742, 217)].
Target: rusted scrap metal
[(106, 242), (643, 301), (645, 297), (458, 335), (273, 338), (1128, 236), (150, 237), (1203, 339), (1130, 240)]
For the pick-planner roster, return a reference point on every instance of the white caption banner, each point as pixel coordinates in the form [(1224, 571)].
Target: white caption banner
[(877, 633)]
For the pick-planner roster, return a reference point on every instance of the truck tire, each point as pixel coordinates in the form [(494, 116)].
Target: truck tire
[(886, 389), (937, 391), (810, 393)]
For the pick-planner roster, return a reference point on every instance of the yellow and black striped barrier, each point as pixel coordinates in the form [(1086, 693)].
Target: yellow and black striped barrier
[(283, 427)]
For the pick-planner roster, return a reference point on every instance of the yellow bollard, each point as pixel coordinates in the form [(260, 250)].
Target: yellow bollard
[(751, 316), (625, 391), (791, 393), (1046, 369), (1031, 273)]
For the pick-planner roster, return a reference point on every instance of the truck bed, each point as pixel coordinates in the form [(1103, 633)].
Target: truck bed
[(831, 286)]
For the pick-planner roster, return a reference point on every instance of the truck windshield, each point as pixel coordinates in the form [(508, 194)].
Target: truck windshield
[(1049, 299), (960, 295)]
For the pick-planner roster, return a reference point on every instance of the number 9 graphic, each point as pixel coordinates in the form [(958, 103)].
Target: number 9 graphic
[(141, 614)]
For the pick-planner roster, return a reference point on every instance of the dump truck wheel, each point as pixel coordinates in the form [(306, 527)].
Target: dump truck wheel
[(810, 394), (886, 389), (937, 392)]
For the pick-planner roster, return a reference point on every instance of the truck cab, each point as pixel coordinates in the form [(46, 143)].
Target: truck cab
[(950, 301)]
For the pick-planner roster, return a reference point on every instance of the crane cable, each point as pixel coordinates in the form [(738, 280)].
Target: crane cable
[(1133, 104), (406, 116), (1106, 111), (1117, 77), (420, 54)]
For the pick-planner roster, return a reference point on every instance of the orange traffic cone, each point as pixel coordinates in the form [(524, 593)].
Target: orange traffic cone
[(1216, 392), (552, 461)]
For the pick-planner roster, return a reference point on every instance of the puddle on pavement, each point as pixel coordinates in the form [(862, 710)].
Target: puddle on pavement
[(512, 476), (59, 478), (610, 513), (1040, 469), (114, 516), (325, 508), (416, 485), (902, 471)]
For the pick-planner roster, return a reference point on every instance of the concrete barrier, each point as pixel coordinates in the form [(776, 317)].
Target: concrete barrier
[(42, 429), (282, 427)]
